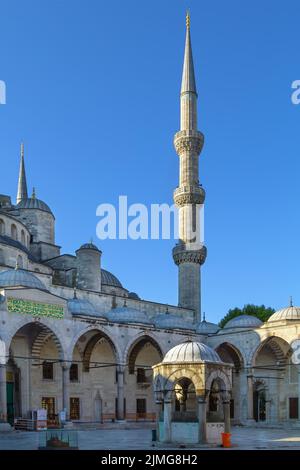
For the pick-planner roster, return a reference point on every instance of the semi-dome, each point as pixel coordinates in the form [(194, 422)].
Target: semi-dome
[(4, 239), (192, 351), (134, 296), (128, 315), (207, 328), (33, 203), (110, 279), (288, 313), (82, 307), (244, 321), (171, 321), (20, 277)]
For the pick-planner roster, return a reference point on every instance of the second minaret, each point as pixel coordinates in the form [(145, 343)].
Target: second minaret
[(190, 253)]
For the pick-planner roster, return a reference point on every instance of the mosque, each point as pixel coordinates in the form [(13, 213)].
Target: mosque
[(73, 338)]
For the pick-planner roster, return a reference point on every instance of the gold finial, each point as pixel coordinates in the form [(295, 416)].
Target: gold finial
[(188, 19), (33, 193), (22, 150)]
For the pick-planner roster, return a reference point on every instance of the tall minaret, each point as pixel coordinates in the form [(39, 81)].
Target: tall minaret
[(22, 185), (189, 254)]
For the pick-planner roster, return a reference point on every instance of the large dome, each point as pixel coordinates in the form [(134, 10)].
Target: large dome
[(109, 279), (33, 203), (82, 307), (288, 313), (170, 321), (244, 321), (192, 351), (19, 277), (128, 315), (207, 328)]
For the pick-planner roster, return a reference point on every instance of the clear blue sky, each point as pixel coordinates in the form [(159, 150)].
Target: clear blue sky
[(93, 90)]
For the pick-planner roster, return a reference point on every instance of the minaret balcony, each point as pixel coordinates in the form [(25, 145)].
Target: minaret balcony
[(188, 195), (188, 141), (185, 254)]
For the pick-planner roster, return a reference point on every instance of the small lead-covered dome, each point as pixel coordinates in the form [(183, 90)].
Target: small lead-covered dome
[(169, 321), (288, 313), (244, 321), (192, 351), (20, 278), (82, 307), (89, 246), (33, 203), (128, 315), (207, 328), (110, 279)]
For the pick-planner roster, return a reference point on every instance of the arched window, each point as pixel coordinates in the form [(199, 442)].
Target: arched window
[(2, 227), (23, 237), (20, 261), (14, 234), (2, 259)]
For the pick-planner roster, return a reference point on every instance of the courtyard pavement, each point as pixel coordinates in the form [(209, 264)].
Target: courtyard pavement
[(140, 438)]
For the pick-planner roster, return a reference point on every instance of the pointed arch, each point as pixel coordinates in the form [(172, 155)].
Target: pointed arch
[(100, 332), (275, 344), (136, 346), (46, 330), (87, 353), (229, 353), (184, 373)]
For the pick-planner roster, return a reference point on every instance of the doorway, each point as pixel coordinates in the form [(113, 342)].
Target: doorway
[(259, 405), (10, 402)]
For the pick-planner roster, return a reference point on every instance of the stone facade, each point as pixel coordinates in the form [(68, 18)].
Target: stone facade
[(91, 351)]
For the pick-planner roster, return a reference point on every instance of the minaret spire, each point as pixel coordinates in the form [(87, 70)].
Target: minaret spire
[(189, 254), (22, 185), (188, 83)]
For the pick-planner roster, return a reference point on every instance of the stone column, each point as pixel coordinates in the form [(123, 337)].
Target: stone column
[(226, 405), (120, 391), (3, 398), (167, 420), (250, 396), (201, 401), (65, 388), (158, 404)]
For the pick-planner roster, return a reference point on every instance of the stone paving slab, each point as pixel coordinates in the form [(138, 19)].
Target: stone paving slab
[(131, 439)]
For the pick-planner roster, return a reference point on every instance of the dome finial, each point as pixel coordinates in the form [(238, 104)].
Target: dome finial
[(33, 196), (291, 301), (204, 319)]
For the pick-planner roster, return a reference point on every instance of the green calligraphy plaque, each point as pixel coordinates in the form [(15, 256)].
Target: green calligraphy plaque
[(36, 309)]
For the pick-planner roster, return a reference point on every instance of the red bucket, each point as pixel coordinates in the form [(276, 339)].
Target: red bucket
[(226, 439)]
